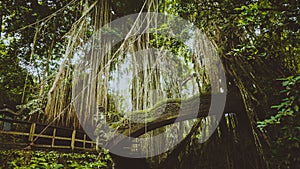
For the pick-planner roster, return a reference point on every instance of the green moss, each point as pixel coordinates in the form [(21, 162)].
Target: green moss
[(163, 102)]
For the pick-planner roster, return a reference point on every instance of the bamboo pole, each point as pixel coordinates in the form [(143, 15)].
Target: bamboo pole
[(97, 143), (53, 137), (73, 139), (84, 139), (31, 133)]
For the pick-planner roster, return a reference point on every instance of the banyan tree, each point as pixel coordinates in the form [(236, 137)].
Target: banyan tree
[(119, 71)]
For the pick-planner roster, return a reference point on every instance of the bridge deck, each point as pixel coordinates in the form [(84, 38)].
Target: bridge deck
[(162, 114)]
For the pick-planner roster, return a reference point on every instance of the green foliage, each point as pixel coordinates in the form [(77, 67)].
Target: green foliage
[(31, 48), (289, 107), (285, 148), (271, 33), (11, 76), (52, 159)]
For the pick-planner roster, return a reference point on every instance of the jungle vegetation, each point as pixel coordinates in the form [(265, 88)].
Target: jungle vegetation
[(256, 41)]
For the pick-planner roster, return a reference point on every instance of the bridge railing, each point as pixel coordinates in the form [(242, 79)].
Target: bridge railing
[(22, 133)]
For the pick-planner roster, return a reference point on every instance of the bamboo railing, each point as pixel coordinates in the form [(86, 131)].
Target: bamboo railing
[(23, 133)]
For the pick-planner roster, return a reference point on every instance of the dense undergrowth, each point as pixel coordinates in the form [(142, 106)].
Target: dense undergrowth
[(21, 159)]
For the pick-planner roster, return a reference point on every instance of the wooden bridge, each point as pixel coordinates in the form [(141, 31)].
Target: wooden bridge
[(24, 134)]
